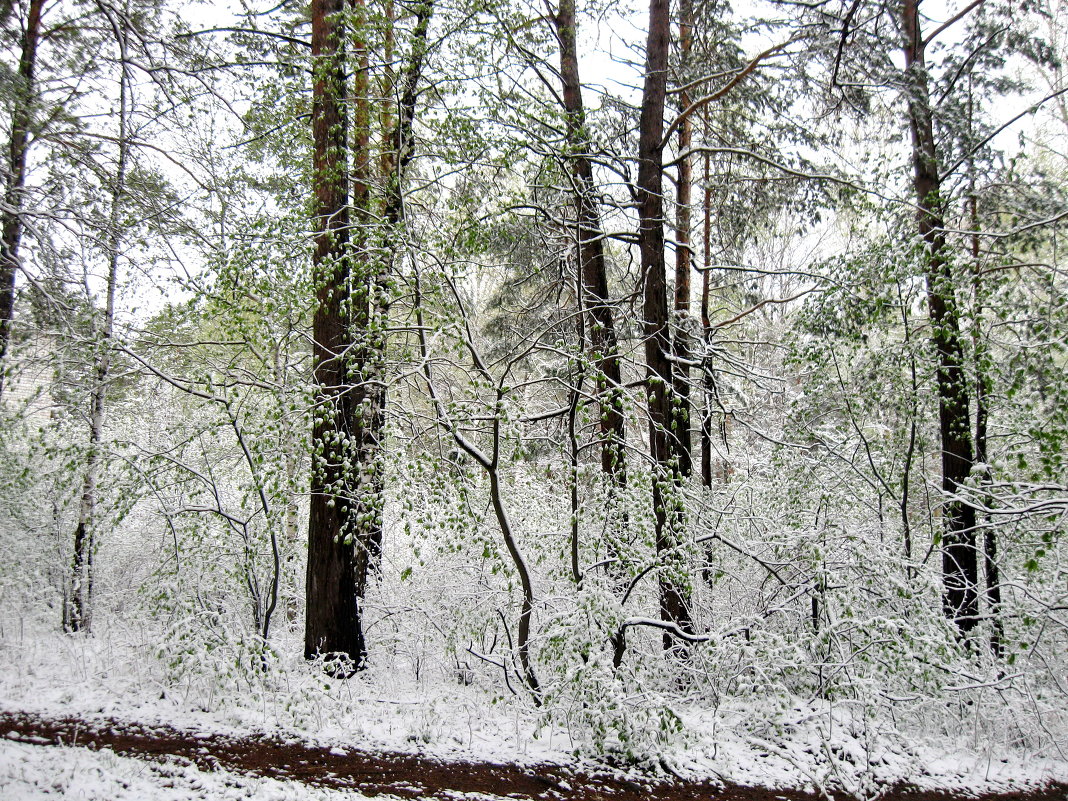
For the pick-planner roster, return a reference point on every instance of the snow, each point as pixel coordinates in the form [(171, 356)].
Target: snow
[(805, 747), (814, 744), (29, 772)]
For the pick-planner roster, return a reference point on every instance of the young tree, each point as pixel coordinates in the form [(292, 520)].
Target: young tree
[(681, 350), (79, 614)]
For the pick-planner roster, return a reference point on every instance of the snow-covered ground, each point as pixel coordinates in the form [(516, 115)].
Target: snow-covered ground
[(30, 772), (108, 675)]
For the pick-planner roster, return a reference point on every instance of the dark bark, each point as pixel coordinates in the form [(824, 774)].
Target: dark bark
[(683, 256), (368, 298), (402, 135), (990, 542), (667, 508), (11, 217), (350, 325), (960, 568), (593, 273), (333, 624), (983, 389), (910, 451), (706, 333), (74, 610), (526, 610)]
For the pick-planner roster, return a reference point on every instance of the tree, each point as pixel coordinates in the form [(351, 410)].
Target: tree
[(667, 507), (683, 247), (960, 564), (23, 103), (356, 254), (590, 248), (79, 614), (336, 529)]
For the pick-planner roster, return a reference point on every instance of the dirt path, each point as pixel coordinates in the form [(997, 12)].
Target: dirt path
[(399, 774)]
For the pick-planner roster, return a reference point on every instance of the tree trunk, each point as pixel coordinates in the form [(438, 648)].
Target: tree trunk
[(79, 616), (683, 255), (983, 389), (376, 257), (667, 508), (706, 334), (333, 623), (402, 134), (11, 216), (960, 568), (368, 296), (990, 543), (593, 273)]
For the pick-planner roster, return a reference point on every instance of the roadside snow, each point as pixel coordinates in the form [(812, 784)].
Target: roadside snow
[(811, 744), (826, 749), (108, 675), (30, 772)]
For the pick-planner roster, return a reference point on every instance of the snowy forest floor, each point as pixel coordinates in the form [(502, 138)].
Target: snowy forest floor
[(371, 774), (100, 718)]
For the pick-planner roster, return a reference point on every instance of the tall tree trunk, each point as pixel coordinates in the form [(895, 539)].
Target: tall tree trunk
[(333, 622), (706, 334), (960, 567), (11, 215), (983, 389), (377, 249), (591, 256), (667, 507), (368, 296), (683, 254), (79, 615)]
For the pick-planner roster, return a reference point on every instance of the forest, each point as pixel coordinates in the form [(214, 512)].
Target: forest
[(677, 387)]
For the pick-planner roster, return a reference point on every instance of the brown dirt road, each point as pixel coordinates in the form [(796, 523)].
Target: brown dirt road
[(405, 775)]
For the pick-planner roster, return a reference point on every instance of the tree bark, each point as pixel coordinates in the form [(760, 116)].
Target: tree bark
[(11, 217), (333, 623), (983, 389), (368, 296), (960, 569), (604, 345), (402, 134), (667, 508), (683, 255), (706, 334)]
